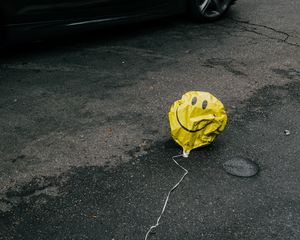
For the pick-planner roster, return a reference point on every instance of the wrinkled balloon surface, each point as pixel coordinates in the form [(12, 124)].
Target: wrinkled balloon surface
[(196, 119)]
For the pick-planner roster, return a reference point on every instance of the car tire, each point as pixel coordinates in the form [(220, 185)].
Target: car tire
[(209, 10)]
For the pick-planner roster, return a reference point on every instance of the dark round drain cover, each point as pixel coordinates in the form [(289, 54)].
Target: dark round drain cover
[(241, 167)]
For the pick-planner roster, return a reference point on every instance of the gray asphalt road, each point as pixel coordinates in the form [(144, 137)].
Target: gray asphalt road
[(85, 147)]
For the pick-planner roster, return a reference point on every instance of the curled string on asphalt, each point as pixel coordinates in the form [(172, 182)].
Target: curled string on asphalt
[(195, 121), (168, 195)]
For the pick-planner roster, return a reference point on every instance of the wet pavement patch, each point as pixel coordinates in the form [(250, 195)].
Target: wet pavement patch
[(123, 202), (94, 203)]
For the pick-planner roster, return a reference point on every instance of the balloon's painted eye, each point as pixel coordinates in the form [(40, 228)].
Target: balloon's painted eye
[(204, 104), (194, 100)]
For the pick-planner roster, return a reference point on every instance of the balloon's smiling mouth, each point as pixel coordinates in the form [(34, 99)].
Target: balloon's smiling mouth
[(187, 129)]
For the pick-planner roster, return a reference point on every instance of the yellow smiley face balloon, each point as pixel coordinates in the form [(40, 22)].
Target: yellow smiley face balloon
[(196, 119)]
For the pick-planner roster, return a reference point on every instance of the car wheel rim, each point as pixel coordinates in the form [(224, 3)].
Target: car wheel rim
[(213, 8)]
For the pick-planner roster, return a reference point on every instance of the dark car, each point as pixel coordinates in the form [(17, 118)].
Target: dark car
[(23, 18)]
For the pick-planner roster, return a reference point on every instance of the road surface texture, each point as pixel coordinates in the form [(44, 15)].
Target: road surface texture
[(85, 146)]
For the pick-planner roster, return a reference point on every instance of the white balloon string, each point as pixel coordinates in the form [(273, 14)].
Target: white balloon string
[(168, 196)]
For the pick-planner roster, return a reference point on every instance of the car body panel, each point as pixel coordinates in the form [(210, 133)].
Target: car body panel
[(29, 19), (31, 11)]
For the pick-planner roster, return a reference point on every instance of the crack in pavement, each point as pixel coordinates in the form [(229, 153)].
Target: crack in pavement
[(242, 23)]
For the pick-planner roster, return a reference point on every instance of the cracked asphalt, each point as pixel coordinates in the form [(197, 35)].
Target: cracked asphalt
[(85, 146)]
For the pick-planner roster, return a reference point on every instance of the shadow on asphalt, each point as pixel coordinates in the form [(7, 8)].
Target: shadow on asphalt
[(90, 38), (71, 40)]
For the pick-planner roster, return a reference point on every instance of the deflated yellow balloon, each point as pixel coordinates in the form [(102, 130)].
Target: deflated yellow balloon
[(196, 119)]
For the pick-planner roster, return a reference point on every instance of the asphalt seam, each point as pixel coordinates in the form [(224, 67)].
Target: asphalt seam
[(242, 23)]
